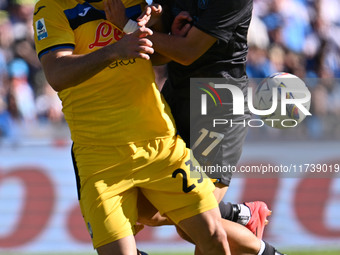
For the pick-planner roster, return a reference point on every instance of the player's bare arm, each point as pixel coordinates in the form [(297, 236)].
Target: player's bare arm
[(182, 49), (115, 13), (63, 69), (180, 27)]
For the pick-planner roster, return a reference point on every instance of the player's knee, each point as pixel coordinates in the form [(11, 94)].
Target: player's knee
[(220, 236), (216, 242), (207, 232), (183, 235)]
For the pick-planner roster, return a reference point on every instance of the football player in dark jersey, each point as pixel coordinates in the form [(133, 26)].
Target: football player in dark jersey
[(209, 40)]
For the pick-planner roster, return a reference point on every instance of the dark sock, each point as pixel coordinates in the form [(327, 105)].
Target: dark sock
[(270, 250), (229, 211)]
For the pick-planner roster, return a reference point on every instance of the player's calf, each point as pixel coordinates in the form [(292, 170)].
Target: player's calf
[(206, 232)]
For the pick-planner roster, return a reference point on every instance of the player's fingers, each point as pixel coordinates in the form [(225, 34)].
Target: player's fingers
[(145, 49), (142, 22), (157, 8), (183, 15), (146, 12), (143, 19), (185, 29), (143, 32), (145, 42), (143, 56)]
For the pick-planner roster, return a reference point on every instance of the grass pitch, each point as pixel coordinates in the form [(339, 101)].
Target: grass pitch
[(324, 252), (287, 252)]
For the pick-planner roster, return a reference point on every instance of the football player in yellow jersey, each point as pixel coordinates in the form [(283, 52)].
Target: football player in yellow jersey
[(123, 134)]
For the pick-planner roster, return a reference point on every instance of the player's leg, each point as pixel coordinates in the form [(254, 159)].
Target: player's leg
[(220, 191), (252, 215), (206, 232), (126, 245), (220, 145), (241, 241), (227, 153), (187, 201), (148, 214), (108, 200), (123, 246), (203, 229), (111, 221)]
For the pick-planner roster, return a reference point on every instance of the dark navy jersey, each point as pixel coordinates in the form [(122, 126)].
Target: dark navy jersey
[(226, 20)]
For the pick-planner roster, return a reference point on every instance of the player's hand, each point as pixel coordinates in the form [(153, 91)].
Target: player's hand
[(150, 15), (134, 45), (115, 13), (181, 24)]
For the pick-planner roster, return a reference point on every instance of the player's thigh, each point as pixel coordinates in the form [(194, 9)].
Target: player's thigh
[(107, 196), (172, 189), (124, 246), (148, 214), (220, 191), (108, 216)]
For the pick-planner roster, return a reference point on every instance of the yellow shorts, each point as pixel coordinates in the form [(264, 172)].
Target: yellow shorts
[(108, 180)]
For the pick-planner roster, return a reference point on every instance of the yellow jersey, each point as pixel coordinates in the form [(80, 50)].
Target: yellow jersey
[(119, 105)]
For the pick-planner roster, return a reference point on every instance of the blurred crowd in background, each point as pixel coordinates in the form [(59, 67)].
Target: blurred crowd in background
[(301, 37), (27, 102)]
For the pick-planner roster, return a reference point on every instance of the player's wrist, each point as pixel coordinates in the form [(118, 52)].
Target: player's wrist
[(111, 53)]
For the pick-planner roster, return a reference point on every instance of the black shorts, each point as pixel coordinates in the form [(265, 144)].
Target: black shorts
[(217, 149)]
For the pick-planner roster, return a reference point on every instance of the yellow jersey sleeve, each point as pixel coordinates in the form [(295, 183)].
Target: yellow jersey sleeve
[(51, 27)]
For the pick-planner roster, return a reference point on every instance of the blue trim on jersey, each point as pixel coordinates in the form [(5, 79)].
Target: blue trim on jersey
[(55, 47), (83, 13)]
